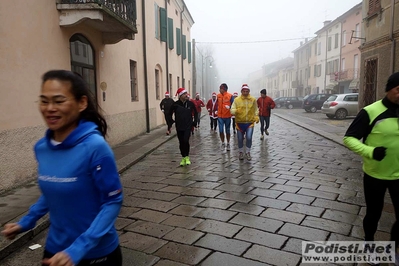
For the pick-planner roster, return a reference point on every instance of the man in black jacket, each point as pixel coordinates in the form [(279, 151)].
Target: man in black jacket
[(165, 105), (185, 118)]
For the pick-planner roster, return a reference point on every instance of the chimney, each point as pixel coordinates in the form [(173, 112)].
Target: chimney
[(326, 22), (301, 43)]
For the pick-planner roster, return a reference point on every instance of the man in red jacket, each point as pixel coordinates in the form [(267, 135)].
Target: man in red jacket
[(265, 104), (198, 104), (212, 107)]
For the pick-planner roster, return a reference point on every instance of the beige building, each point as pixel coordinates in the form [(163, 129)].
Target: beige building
[(379, 49), (348, 76), (312, 87), (129, 54), (301, 68), (277, 77)]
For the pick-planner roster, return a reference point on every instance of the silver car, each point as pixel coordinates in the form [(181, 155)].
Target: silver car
[(340, 106)]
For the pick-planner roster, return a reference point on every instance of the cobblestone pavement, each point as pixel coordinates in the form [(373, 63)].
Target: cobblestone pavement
[(223, 211)]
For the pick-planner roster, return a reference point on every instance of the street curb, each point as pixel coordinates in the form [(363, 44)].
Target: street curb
[(123, 164), (324, 134)]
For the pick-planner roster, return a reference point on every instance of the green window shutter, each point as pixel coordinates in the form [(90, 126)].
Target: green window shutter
[(170, 34), (189, 51), (178, 41), (164, 24), (183, 42)]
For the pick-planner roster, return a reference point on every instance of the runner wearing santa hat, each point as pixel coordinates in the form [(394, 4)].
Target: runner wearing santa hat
[(183, 110), (165, 105), (245, 109), (212, 107), (198, 104)]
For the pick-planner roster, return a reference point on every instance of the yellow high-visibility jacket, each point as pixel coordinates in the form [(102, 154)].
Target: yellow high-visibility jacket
[(245, 109)]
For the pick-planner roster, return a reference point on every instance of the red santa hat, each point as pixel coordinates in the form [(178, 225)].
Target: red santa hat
[(235, 94), (244, 87), (214, 94), (167, 94), (181, 91), (197, 94)]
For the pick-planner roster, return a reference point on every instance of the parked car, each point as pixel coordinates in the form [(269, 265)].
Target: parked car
[(293, 102), (279, 101), (314, 102), (341, 105)]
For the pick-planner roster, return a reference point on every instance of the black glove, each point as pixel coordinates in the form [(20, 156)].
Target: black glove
[(379, 153)]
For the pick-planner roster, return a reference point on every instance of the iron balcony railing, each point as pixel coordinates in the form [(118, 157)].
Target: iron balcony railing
[(125, 9), (348, 74)]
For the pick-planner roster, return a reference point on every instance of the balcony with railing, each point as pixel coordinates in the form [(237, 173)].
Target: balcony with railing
[(115, 19), (345, 75)]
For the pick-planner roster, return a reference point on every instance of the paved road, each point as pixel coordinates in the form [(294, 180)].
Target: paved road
[(222, 211)]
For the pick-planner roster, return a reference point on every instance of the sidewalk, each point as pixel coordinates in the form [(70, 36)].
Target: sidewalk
[(14, 205)]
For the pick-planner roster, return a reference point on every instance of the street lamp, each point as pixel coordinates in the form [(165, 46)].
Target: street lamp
[(207, 80)]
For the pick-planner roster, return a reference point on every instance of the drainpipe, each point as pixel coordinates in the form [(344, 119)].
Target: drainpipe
[(181, 44), (340, 59), (147, 105), (325, 65), (167, 53), (393, 44)]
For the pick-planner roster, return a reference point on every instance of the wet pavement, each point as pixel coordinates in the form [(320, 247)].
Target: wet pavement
[(299, 185)]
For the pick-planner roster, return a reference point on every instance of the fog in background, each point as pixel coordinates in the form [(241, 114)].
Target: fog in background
[(241, 36)]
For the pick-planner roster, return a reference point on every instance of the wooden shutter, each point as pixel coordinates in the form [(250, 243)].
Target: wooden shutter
[(164, 24), (184, 46), (171, 41), (178, 41), (374, 7), (189, 51)]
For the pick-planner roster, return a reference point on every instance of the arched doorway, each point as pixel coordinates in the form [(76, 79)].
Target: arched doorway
[(82, 60)]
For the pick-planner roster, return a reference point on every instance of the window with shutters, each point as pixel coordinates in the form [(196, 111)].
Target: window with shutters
[(133, 81), (171, 42), (374, 7), (357, 32), (184, 46), (189, 51), (178, 41), (336, 40), (163, 19), (157, 85), (329, 44)]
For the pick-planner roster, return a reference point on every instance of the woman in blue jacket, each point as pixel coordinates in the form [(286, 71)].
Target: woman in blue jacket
[(77, 176)]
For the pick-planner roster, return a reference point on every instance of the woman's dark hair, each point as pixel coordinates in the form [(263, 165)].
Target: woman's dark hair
[(79, 89)]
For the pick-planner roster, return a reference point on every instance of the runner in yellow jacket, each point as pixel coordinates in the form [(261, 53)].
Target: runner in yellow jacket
[(246, 111)]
